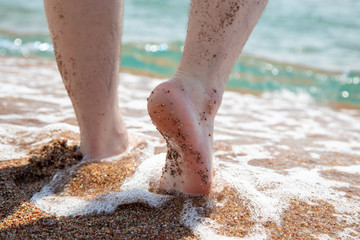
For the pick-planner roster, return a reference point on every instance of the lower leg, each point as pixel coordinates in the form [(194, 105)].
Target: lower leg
[(86, 35), (183, 108)]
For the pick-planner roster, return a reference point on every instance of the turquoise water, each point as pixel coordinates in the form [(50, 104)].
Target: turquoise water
[(301, 46)]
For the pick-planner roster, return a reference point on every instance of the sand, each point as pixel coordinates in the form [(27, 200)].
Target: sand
[(21, 178), (284, 167)]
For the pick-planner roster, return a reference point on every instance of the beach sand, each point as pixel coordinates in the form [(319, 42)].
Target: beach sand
[(291, 186), (21, 178)]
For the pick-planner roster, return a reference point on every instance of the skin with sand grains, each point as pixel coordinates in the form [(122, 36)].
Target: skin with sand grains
[(87, 39), (86, 36), (188, 132), (184, 108)]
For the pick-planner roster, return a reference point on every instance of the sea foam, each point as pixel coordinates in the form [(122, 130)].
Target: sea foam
[(271, 149)]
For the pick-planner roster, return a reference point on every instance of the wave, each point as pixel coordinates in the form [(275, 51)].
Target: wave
[(250, 73)]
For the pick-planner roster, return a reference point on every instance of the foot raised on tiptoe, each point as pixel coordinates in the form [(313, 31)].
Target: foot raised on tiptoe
[(184, 112)]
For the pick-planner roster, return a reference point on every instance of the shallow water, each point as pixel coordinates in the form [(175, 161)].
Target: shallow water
[(300, 46), (271, 149)]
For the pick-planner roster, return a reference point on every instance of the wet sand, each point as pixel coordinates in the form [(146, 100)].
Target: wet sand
[(283, 168), (21, 178)]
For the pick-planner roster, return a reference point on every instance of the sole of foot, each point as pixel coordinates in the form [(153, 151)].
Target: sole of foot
[(187, 127)]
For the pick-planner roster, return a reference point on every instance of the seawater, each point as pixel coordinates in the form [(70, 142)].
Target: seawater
[(302, 46), (300, 53), (270, 148)]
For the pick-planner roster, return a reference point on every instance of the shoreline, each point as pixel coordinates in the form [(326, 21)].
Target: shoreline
[(283, 168), (336, 105)]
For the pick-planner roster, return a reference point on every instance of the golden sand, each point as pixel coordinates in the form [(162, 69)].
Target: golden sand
[(20, 219)]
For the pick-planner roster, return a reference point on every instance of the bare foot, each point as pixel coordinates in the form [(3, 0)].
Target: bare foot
[(184, 112), (108, 140)]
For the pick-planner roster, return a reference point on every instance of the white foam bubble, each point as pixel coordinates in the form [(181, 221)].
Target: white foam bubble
[(354, 169), (107, 202), (148, 171), (134, 190), (269, 127), (10, 152)]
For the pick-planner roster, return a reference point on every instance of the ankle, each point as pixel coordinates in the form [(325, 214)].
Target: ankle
[(213, 80), (104, 139), (205, 96)]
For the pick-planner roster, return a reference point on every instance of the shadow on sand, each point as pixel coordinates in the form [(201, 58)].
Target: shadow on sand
[(20, 179)]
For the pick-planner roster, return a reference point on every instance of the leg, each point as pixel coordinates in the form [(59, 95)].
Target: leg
[(183, 108), (87, 35)]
